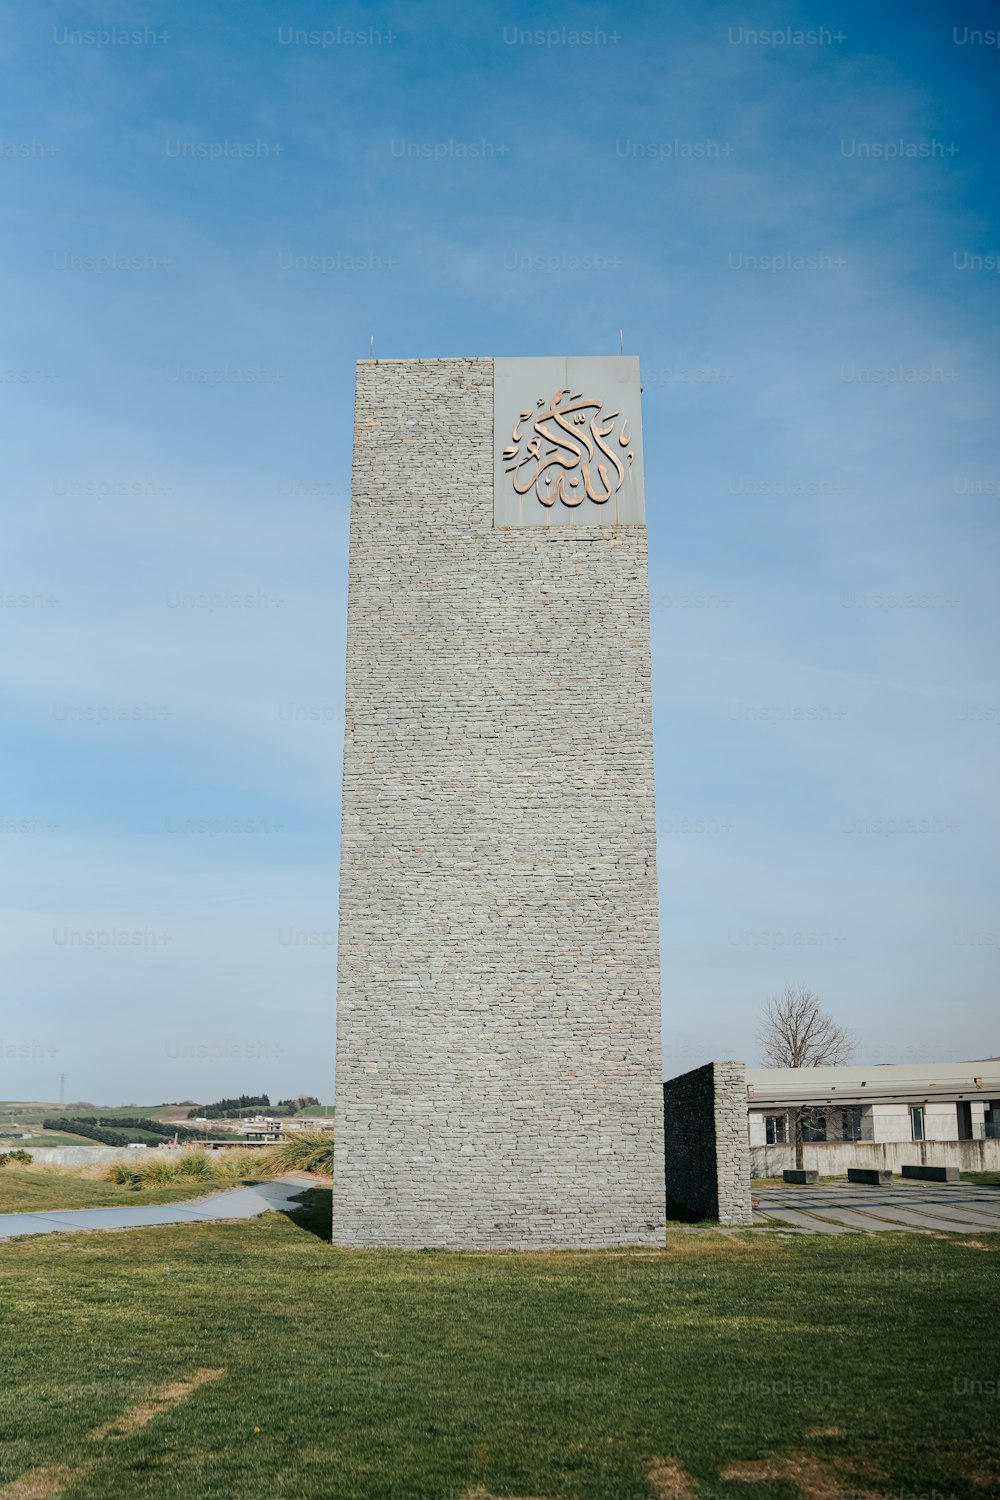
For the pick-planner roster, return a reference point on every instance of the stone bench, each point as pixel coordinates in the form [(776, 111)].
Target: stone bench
[(806, 1177), (931, 1174), (875, 1176)]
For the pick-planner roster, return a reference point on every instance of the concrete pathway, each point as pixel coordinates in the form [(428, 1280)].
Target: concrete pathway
[(234, 1203), (917, 1207)]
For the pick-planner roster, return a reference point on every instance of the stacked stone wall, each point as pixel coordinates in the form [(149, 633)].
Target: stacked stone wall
[(499, 1075)]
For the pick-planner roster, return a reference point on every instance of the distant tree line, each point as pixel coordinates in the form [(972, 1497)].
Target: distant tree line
[(232, 1109), (229, 1109), (108, 1129)]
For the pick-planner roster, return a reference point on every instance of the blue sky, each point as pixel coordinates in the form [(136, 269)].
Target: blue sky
[(204, 226)]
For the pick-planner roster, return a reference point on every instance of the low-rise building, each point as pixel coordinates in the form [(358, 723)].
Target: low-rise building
[(272, 1128), (885, 1114)]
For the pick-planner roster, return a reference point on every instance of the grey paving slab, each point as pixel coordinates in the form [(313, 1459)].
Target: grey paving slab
[(938, 1203), (245, 1202), (901, 1217), (986, 1214), (949, 1192), (874, 1218), (799, 1220), (908, 1205), (858, 1218), (12, 1225), (886, 1200), (235, 1203), (989, 1207)]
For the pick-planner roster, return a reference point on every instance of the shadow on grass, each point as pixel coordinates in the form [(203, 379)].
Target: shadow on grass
[(314, 1212), (678, 1214)]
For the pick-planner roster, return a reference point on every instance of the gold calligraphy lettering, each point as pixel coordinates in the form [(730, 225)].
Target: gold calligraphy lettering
[(567, 456)]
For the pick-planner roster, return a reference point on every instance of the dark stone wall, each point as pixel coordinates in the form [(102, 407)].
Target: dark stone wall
[(707, 1142)]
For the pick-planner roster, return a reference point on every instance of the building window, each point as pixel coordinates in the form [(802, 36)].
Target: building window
[(813, 1125), (917, 1121), (852, 1124), (776, 1129)]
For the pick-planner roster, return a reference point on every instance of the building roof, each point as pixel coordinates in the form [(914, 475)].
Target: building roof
[(874, 1083)]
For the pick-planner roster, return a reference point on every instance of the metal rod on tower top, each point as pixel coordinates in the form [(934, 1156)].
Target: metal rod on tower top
[(621, 341)]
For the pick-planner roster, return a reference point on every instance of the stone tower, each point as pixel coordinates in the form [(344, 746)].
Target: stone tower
[(499, 1074)]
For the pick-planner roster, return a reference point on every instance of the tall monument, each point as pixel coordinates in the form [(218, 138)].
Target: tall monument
[(499, 1075)]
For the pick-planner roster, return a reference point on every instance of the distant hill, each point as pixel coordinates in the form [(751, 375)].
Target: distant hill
[(31, 1112)]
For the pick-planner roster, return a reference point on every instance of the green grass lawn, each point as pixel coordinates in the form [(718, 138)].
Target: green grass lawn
[(989, 1179), (53, 1138), (23, 1189), (350, 1375)]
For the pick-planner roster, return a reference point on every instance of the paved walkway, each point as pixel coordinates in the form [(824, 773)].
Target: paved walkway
[(234, 1203), (840, 1208)]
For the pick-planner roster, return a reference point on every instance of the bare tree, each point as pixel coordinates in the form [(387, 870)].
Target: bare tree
[(796, 1032)]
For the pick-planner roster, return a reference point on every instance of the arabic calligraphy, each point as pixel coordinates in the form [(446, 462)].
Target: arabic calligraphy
[(569, 450)]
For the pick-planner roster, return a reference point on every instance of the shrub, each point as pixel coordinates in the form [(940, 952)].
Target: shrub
[(208, 1166), (162, 1168), (24, 1157), (305, 1151), (235, 1162)]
